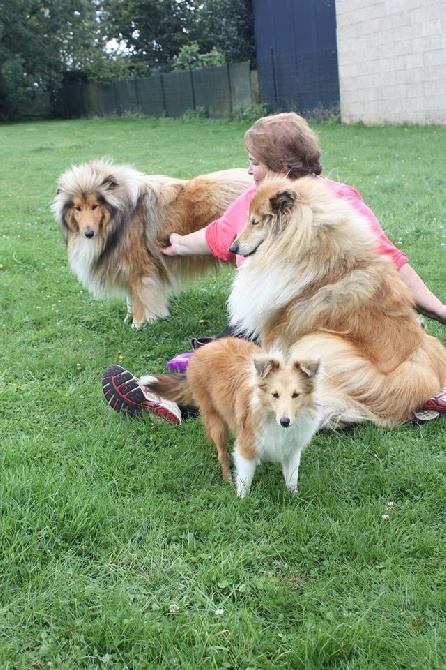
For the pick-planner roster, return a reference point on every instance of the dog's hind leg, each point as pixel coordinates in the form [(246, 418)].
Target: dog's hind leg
[(218, 433)]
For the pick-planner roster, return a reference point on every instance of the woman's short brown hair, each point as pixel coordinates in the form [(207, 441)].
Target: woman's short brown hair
[(285, 144)]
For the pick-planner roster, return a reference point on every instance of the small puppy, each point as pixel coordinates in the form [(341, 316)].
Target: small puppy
[(268, 403)]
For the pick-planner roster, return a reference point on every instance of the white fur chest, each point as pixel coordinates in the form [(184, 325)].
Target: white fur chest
[(82, 255), (257, 293), (279, 445), (276, 443)]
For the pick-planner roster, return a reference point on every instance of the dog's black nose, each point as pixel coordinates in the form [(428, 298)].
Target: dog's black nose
[(89, 232), (285, 422), (234, 247)]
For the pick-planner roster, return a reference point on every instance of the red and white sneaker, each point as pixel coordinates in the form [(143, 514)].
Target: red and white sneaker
[(437, 403), (432, 408), (124, 393)]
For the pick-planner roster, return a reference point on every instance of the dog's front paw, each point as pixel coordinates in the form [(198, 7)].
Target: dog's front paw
[(241, 489)]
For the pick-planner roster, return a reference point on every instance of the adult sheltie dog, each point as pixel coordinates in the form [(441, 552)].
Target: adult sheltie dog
[(268, 403), (314, 287), (115, 219)]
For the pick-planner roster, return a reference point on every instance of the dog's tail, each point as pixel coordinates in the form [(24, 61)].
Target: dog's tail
[(172, 387)]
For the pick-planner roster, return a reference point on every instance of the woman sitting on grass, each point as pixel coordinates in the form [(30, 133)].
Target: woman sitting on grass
[(282, 144)]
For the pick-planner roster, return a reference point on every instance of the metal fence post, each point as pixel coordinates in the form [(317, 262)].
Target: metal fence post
[(273, 67), (191, 78), (163, 95)]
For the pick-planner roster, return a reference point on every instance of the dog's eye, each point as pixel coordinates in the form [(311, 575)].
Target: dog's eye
[(254, 222), (93, 207), (275, 395), (295, 395), (77, 208)]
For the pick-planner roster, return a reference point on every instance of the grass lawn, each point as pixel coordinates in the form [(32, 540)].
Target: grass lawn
[(121, 547)]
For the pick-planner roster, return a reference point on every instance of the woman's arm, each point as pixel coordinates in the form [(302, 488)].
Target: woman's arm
[(193, 244), (216, 238), (425, 301)]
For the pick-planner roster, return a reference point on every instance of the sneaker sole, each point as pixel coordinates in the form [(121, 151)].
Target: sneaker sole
[(425, 416), (123, 393)]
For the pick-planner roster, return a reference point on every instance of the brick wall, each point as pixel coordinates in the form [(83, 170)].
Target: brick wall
[(392, 60)]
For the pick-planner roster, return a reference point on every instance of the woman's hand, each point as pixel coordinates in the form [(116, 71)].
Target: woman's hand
[(174, 247), (193, 244)]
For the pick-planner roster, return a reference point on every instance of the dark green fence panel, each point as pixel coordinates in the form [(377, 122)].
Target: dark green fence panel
[(38, 106), (150, 93), (212, 90), (178, 93), (126, 96), (101, 99), (220, 90), (74, 101), (240, 85)]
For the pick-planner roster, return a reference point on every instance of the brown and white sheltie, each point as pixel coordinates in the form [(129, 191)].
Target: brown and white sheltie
[(115, 219), (267, 402), (313, 286)]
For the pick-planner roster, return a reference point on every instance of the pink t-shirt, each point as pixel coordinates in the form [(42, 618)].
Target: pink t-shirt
[(221, 233)]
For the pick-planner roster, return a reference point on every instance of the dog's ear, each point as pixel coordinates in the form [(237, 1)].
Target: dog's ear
[(265, 364), (309, 368), (64, 229), (283, 201), (66, 220), (110, 182)]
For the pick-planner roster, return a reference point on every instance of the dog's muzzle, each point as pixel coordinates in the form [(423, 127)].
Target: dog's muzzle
[(235, 249), (89, 232)]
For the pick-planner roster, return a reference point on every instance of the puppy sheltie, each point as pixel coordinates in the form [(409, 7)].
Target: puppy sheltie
[(267, 402), (115, 220), (312, 285)]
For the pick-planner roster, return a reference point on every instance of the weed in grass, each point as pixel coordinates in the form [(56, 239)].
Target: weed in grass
[(121, 546)]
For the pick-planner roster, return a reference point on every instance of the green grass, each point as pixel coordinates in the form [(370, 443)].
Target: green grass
[(121, 547)]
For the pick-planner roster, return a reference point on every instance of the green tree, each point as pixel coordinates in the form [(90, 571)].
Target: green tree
[(153, 30), (227, 26), (41, 39), (81, 40), (29, 57), (190, 58)]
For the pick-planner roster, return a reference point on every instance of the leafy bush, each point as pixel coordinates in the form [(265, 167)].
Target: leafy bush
[(189, 58)]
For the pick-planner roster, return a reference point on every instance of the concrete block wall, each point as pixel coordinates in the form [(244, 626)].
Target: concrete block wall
[(392, 60)]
